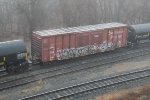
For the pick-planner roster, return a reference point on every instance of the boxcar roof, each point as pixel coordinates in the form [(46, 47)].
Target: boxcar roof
[(12, 47), (142, 28), (78, 29)]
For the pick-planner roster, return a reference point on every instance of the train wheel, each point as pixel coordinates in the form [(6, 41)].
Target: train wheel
[(10, 69), (23, 67)]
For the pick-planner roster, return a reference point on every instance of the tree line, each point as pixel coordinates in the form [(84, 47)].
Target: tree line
[(24, 16)]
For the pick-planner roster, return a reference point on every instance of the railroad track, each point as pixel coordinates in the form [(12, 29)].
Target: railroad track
[(67, 70), (83, 88), (3, 72)]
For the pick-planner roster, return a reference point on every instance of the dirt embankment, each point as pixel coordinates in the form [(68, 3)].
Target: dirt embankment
[(140, 93)]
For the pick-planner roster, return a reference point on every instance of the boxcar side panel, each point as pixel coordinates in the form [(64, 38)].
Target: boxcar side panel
[(116, 37), (104, 40), (85, 43), (59, 46), (45, 49), (125, 36), (95, 41), (72, 40), (52, 47), (82, 40), (66, 46), (82, 43), (95, 38), (65, 41), (79, 40), (110, 39), (69, 51), (120, 37), (86, 39)]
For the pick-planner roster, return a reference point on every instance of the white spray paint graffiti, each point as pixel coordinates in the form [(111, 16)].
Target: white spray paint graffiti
[(82, 51)]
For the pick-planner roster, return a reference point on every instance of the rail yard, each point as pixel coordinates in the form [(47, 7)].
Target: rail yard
[(69, 75), (71, 63), (74, 50)]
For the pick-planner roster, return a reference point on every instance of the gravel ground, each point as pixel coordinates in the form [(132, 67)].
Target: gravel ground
[(138, 93), (74, 78), (116, 89)]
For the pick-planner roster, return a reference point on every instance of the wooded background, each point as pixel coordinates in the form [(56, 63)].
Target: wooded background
[(21, 17)]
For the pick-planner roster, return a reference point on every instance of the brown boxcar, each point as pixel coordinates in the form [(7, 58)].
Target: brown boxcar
[(66, 43)]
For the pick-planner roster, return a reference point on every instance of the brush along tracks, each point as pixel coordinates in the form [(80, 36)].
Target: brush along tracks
[(81, 89), (74, 68)]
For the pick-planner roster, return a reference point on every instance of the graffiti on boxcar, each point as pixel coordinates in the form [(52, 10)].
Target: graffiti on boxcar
[(111, 46), (103, 46), (86, 50)]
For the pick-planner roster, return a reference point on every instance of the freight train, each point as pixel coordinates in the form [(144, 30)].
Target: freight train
[(67, 43), (138, 33), (13, 56)]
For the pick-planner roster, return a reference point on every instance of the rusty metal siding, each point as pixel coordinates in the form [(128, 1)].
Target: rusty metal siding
[(125, 36), (72, 39), (44, 49), (86, 39), (79, 39), (82, 39), (52, 48), (59, 44), (116, 37), (66, 42), (110, 39), (104, 44), (48, 49), (95, 40), (119, 34)]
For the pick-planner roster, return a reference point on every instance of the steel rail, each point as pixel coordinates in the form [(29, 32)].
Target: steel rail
[(58, 72), (83, 88)]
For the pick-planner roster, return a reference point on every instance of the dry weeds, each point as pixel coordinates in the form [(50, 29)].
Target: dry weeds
[(4, 97), (34, 88), (140, 93), (126, 66)]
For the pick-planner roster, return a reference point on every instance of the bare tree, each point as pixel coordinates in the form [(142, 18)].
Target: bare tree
[(25, 16), (27, 8)]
